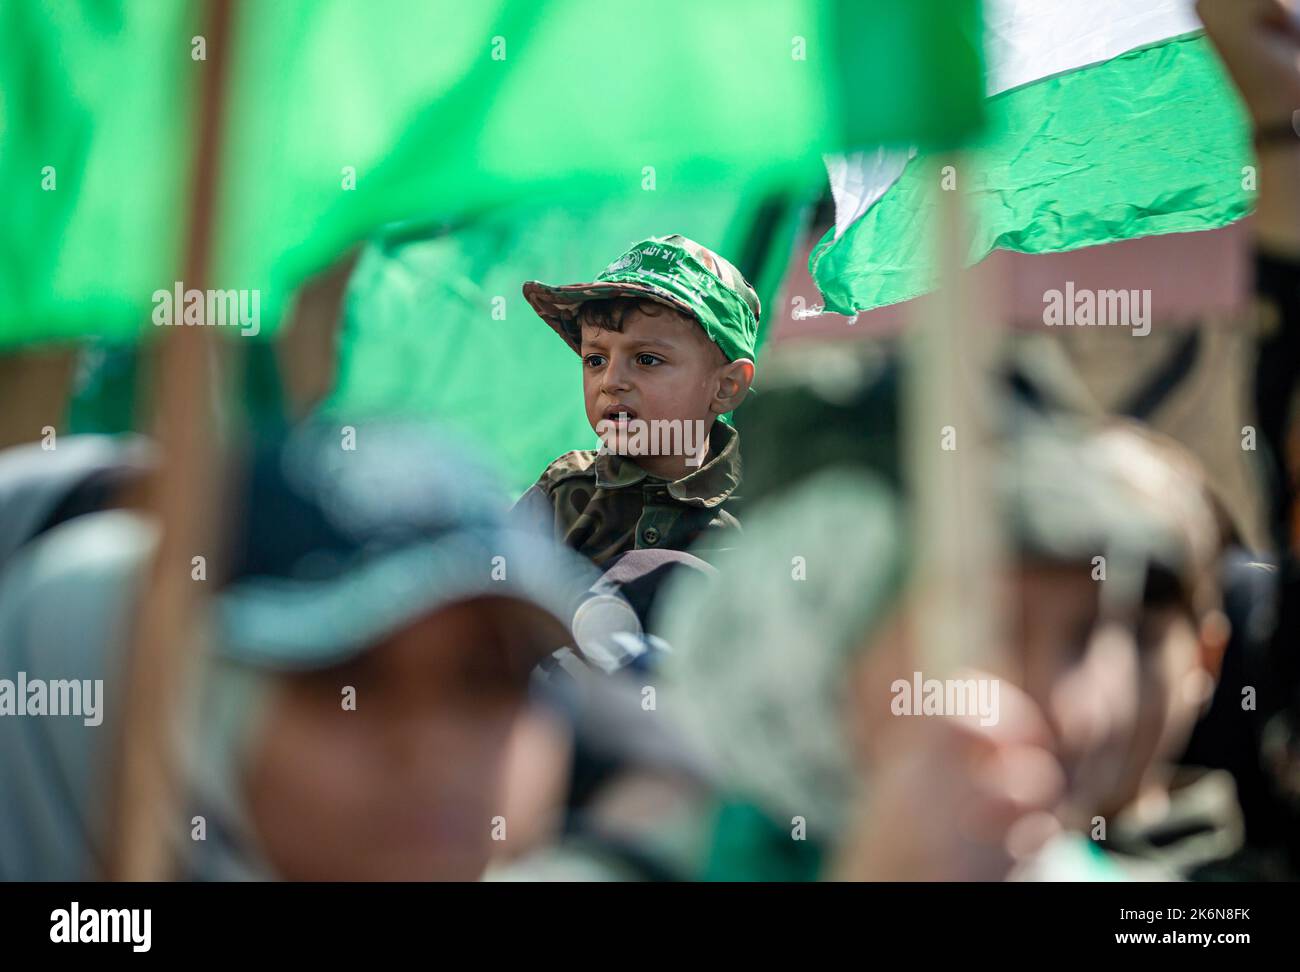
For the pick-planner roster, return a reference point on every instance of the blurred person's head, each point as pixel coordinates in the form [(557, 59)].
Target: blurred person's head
[(789, 670), (1110, 606), (367, 664), (400, 621), (408, 784), (666, 334), (1177, 627)]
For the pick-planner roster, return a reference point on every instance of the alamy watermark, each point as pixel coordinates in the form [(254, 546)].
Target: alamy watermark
[(130, 926), (654, 437), (57, 697), (1098, 308), (220, 308), (948, 697)]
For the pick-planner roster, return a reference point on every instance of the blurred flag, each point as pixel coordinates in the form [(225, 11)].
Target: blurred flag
[(342, 116), (95, 140), (1107, 120)]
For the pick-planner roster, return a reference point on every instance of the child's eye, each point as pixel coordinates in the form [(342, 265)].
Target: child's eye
[(649, 360), (594, 360)]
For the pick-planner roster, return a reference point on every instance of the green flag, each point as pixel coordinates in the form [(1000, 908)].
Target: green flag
[(1108, 121), (342, 116)]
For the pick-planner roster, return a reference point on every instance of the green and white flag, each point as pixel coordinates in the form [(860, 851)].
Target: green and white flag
[(1107, 121)]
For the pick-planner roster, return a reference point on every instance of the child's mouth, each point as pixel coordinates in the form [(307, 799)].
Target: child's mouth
[(619, 413)]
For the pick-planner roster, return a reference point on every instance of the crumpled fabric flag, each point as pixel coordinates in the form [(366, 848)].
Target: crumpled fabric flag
[(1106, 121)]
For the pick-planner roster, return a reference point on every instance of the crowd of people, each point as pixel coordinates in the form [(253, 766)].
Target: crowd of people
[(666, 662)]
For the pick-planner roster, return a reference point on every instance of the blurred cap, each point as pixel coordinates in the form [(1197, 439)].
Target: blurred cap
[(1077, 493), (338, 547)]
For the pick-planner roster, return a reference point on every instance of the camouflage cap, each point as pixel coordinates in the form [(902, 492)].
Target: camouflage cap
[(672, 270)]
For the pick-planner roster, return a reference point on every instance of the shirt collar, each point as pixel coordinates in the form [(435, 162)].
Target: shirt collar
[(707, 487)]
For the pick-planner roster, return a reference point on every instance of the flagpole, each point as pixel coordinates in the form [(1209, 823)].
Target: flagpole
[(146, 791), (951, 346)]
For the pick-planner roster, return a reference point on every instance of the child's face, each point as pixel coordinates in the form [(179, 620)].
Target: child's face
[(658, 367), (406, 785)]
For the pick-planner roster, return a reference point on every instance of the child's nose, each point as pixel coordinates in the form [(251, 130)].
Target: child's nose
[(617, 374)]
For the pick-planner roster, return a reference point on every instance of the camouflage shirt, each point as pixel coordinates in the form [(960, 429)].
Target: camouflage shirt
[(603, 505)]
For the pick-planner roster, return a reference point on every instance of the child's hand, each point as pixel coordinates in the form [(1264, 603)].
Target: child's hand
[(955, 800), (1259, 41)]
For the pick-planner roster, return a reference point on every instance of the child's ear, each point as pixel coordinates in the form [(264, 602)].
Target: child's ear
[(734, 379)]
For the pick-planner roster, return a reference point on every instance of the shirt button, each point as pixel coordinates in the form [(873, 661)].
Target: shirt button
[(650, 535)]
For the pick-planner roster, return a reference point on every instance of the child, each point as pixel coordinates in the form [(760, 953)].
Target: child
[(666, 335)]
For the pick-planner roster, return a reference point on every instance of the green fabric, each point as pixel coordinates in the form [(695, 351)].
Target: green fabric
[(781, 223), (1151, 142), (439, 109), (113, 387), (701, 283), (748, 845), (913, 71), (100, 94), (109, 380)]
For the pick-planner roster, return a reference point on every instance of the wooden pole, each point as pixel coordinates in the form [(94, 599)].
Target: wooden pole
[(952, 342), (146, 794)]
